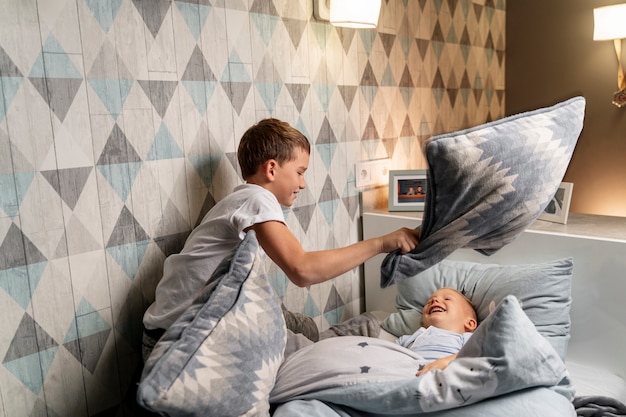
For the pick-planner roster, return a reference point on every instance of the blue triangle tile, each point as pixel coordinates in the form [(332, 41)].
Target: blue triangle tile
[(121, 177), (236, 70), (129, 256), (334, 316), (53, 62), (328, 209), (112, 93), (89, 321), (369, 94), (104, 12), (324, 92), (265, 25), (31, 369), (407, 95), (164, 146), (326, 151), (14, 188), (200, 93), (321, 31), (279, 283), (310, 308), (388, 79), (194, 15), (367, 38), (20, 282), (269, 93), (206, 166), (8, 88)]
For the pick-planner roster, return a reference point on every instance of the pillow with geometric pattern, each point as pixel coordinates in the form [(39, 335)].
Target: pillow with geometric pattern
[(222, 355), (488, 183)]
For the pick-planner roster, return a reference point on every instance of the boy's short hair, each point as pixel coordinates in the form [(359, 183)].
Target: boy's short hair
[(269, 139)]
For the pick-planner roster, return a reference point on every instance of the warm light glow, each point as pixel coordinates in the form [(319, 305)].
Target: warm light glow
[(609, 22), (355, 13)]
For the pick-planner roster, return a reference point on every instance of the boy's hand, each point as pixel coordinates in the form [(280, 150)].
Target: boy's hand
[(404, 239), (440, 363)]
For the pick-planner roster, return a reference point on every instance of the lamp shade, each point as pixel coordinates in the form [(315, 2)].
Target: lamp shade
[(355, 13), (609, 22)]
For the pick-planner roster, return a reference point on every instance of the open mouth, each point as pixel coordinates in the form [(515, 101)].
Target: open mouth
[(437, 309)]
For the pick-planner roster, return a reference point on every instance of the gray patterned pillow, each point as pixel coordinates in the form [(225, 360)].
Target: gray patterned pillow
[(543, 289), (488, 183), (221, 357)]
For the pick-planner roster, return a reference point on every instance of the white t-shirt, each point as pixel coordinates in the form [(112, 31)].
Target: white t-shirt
[(434, 343), (217, 236)]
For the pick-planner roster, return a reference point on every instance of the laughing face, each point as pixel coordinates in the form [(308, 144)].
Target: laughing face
[(449, 310)]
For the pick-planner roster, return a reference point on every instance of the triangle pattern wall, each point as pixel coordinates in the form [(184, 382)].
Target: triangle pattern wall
[(119, 123)]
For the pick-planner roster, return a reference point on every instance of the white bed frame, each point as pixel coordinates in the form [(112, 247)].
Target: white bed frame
[(598, 246)]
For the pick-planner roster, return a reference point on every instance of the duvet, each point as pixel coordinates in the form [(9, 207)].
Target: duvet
[(362, 376)]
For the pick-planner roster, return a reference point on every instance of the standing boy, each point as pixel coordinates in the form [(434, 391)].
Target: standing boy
[(273, 157)]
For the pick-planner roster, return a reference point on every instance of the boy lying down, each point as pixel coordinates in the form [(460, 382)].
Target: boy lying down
[(449, 362), (448, 320)]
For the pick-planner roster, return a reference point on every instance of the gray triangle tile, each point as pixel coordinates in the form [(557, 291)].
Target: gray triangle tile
[(7, 66), (153, 13), (351, 203), (209, 202), (346, 36), (237, 93), (304, 214), (79, 239), (68, 183), (298, 93), (160, 93), (18, 250), (388, 40), (295, 30), (348, 92), (59, 93), (91, 348), (118, 150), (368, 77), (126, 230), (326, 134), (108, 65), (171, 244), (370, 132), (198, 68), (407, 128), (329, 193), (28, 339)]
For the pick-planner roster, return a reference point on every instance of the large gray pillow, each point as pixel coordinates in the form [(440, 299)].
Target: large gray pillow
[(488, 183), (221, 357), (543, 289)]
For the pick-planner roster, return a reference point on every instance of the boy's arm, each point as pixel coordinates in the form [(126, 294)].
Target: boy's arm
[(307, 268), (440, 363)]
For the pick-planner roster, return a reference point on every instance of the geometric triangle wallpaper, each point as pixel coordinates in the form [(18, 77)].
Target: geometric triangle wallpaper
[(119, 122)]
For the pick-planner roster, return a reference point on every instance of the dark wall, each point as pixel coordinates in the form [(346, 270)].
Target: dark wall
[(551, 56)]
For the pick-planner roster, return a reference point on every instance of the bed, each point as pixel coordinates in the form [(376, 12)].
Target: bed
[(226, 355)]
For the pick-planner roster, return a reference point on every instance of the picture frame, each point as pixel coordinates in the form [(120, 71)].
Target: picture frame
[(557, 209), (407, 189)]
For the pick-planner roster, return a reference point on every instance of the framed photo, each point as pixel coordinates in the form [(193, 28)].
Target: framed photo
[(557, 209), (407, 190)]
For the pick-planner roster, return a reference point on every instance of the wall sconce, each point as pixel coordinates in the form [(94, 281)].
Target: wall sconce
[(610, 24), (360, 14)]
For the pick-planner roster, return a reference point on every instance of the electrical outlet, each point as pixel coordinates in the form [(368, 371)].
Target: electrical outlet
[(370, 173)]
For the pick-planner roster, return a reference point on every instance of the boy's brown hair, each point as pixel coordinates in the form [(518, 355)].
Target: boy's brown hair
[(269, 139)]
